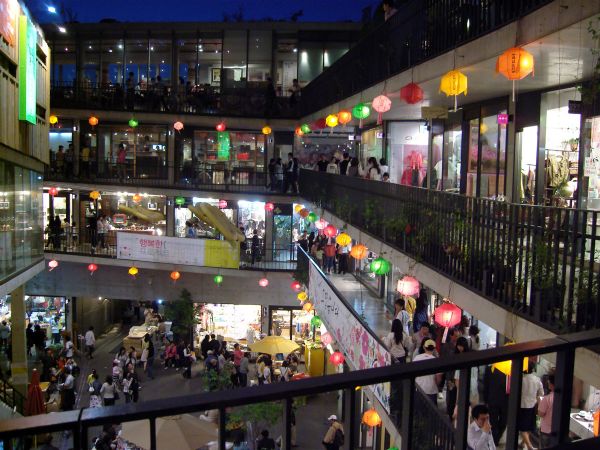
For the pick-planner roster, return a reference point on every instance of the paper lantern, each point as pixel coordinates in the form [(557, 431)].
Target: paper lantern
[(315, 322), (136, 198), (337, 358), (133, 123), (411, 93), (94, 195), (178, 126), (360, 112), (304, 213), (263, 282), (266, 130), (326, 338), (133, 271), (343, 239), (515, 64), (506, 366), (320, 124), (302, 296), (330, 231), (359, 251), (299, 132), (221, 127), (179, 201), (295, 286), (380, 266), (92, 268), (298, 208), (52, 264), (381, 104), (371, 418), (53, 119), (175, 275), (93, 121), (454, 83), (305, 128), (331, 120), (408, 286), (308, 307), (344, 116), (269, 206), (447, 315), (312, 217), (53, 191), (321, 224), (218, 279)]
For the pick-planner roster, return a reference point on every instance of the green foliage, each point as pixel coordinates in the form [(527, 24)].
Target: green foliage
[(591, 90), (259, 415), (215, 381), (182, 313)]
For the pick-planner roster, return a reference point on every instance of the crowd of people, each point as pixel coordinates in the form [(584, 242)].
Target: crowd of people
[(283, 176), (352, 167)]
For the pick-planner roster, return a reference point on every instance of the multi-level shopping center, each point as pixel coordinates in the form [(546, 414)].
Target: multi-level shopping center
[(210, 230)]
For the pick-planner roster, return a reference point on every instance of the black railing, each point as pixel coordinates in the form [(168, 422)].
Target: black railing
[(11, 397), (420, 30), (539, 262), (79, 423), (203, 100)]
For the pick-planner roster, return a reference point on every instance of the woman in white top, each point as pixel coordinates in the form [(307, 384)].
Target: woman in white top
[(285, 371), (383, 167), (333, 167), (267, 372), (107, 391), (373, 170), (398, 342), (531, 390)]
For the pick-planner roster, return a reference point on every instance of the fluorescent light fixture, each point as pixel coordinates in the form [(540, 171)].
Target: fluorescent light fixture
[(62, 29), (51, 9)]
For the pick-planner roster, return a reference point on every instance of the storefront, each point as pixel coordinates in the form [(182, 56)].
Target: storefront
[(290, 323), (407, 147), (590, 196), (232, 323), (310, 147), (371, 145)]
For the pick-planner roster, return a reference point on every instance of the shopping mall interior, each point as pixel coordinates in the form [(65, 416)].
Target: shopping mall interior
[(379, 234)]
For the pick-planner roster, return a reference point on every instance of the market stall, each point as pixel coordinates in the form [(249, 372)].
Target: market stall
[(232, 323)]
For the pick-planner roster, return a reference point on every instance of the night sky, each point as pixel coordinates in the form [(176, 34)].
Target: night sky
[(200, 10)]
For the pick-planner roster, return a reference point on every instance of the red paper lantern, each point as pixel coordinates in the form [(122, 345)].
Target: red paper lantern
[(411, 93), (515, 63), (447, 315), (330, 231), (53, 264), (92, 268), (408, 286), (263, 282), (295, 286), (222, 204), (175, 275), (221, 127), (269, 206), (53, 191), (381, 104), (326, 338), (319, 124), (337, 358), (178, 125), (344, 116)]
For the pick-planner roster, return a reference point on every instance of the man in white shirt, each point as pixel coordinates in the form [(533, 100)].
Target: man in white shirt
[(428, 383), (479, 434), (90, 342)]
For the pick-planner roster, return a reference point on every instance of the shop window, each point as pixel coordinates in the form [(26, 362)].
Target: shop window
[(208, 70), (450, 175), (310, 63), (91, 63), (251, 215), (527, 142), (260, 52), (473, 157), (64, 71), (371, 145), (112, 62), (408, 148), (286, 65), (233, 74)]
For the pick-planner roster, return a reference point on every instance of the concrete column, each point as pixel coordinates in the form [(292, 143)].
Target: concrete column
[(76, 137), (268, 235), (513, 161), (171, 157), (20, 375), (171, 216)]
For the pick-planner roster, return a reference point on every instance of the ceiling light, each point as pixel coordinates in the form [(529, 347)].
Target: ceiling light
[(120, 46), (62, 29), (89, 47), (51, 9), (295, 50), (152, 49)]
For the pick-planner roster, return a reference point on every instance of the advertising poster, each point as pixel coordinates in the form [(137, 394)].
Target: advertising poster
[(27, 70), (9, 11)]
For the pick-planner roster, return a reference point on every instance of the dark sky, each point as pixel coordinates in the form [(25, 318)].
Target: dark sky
[(201, 10)]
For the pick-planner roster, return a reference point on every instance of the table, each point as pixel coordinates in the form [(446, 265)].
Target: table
[(581, 428)]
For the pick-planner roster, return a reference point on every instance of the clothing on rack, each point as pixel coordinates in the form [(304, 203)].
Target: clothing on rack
[(557, 170)]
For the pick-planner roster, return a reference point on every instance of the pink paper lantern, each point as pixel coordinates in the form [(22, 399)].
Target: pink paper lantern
[(222, 204), (178, 126), (326, 338), (263, 282), (330, 231), (411, 93), (447, 315), (53, 264), (92, 268), (408, 286), (381, 104), (269, 206), (321, 224)]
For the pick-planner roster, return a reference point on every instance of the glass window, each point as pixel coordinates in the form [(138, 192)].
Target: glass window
[(210, 53), (286, 65), (333, 52), (408, 147), (136, 62), (591, 168), (234, 74), (160, 60), (310, 62), (371, 145), (188, 58), (259, 57), (473, 157), (91, 62), (451, 159), (63, 64), (437, 144), (112, 62)]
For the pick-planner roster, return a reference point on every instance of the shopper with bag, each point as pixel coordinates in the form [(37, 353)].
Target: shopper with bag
[(108, 391)]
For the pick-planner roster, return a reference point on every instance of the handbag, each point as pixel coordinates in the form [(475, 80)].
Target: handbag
[(91, 389)]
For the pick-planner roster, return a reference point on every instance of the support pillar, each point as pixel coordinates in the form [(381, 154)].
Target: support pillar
[(20, 375), (171, 157), (268, 244), (171, 216), (513, 169), (76, 138)]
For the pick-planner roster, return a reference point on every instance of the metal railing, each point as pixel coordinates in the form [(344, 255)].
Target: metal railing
[(420, 30), (198, 100), (539, 262), (80, 422), (11, 397)]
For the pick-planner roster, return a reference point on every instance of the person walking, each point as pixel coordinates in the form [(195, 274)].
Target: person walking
[(94, 388), (29, 337), (68, 389), (255, 246), (278, 175), (334, 438), (531, 390), (127, 382), (244, 365), (265, 443), (108, 391), (149, 348), (90, 342), (188, 359), (428, 383), (544, 410), (68, 348), (401, 314), (397, 342), (102, 229)]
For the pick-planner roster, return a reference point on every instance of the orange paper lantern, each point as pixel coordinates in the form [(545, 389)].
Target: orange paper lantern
[(371, 418), (93, 121), (137, 198), (359, 251), (175, 275), (304, 213), (344, 116), (308, 307), (515, 63), (299, 132)]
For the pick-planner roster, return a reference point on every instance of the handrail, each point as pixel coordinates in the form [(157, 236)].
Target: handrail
[(14, 399)]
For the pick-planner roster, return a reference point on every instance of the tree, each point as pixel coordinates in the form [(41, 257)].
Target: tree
[(257, 417), (182, 313)]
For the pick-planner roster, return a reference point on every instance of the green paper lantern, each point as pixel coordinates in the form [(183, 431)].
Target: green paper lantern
[(315, 322), (133, 123), (218, 279), (305, 128), (380, 266), (312, 217), (361, 111), (179, 201)]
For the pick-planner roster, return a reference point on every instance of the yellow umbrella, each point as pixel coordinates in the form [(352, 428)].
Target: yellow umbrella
[(273, 345), (184, 432)]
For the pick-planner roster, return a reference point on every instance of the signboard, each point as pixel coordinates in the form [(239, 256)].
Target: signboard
[(172, 250), (434, 112), (27, 70), (502, 119), (361, 349), (9, 11), (223, 145)]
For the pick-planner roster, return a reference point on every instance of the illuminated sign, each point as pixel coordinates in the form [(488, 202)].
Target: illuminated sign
[(9, 10), (502, 119), (223, 145), (27, 70)]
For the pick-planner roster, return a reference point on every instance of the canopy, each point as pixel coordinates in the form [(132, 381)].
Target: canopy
[(34, 404), (184, 432), (272, 345)]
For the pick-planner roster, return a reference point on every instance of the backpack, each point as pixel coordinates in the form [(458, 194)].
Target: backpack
[(338, 439)]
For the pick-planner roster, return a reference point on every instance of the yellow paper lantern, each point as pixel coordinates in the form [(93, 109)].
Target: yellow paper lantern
[(331, 120), (302, 296), (94, 195), (359, 251), (137, 198), (266, 130), (93, 121), (454, 83), (53, 119), (343, 239), (133, 271), (298, 208)]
